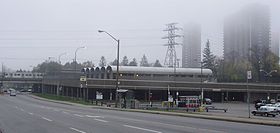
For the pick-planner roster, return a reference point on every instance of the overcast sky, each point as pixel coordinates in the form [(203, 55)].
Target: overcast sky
[(33, 30)]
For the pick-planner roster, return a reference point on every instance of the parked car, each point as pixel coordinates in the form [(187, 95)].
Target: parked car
[(259, 103), (272, 101), (277, 106), (265, 111), (13, 93), (207, 101)]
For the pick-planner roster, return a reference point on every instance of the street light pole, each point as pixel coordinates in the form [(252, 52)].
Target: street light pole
[(76, 56), (60, 56), (201, 102), (118, 58), (249, 76)]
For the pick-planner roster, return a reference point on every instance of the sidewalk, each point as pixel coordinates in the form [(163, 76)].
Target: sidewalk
[(192, 115)]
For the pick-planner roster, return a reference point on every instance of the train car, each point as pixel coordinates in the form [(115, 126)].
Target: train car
[(149, 73), (23, 75)]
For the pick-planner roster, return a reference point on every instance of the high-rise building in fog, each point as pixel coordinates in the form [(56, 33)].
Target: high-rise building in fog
[(191, 52), (245, 30), (275, 43)]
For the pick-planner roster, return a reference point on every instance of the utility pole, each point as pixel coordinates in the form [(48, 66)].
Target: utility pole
[(249, 76), (170, 58), (201, 88), (2, 76)]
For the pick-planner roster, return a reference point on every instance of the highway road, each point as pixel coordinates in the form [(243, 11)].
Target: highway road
[(23, 114)]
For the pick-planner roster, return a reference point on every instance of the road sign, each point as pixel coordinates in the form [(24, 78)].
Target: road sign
[(216, 89), (249, 75), (83, 78), (99, 95)]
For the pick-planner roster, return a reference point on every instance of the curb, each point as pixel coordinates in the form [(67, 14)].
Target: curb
[(200, 116)]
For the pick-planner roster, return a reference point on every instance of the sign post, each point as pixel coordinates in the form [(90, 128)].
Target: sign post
[(249, 76)]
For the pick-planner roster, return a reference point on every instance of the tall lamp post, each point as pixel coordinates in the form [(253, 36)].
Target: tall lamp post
[(60, 57), (118, 58), (201, 65), (76, 56)]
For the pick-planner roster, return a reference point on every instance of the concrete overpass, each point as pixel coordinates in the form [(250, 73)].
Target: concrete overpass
[(72, 86)]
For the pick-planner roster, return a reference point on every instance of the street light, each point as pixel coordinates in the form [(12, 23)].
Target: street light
[(76, 56), (118, 58), (60, 56), (268, 73), (201, 65)]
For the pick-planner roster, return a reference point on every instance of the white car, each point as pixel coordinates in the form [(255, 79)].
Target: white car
[(277, 106), (265, 111), (13, 93)]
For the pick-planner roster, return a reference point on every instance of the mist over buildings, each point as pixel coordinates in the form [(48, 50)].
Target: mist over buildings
[(31, 31)]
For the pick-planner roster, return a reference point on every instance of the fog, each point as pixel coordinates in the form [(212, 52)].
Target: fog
[(31, 31)]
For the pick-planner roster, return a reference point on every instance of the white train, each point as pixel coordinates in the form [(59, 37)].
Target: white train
[(23, 75), (149, 73)]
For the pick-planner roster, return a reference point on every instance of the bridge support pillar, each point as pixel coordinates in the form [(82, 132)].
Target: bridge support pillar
[(223, 97)]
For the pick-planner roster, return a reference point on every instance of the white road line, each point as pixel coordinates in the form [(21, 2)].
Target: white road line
[(144, 129), (46, 119), (78, 115), (65, 112), (30, 113), (77, 130), (91, 116), (100, 120)]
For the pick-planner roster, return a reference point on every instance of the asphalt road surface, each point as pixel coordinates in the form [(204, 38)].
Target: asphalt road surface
[(23, 114)]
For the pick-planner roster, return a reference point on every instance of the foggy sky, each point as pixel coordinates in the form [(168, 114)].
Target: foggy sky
[(33, 30)]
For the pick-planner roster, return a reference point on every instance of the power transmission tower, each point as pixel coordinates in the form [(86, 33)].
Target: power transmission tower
[(170, 58)]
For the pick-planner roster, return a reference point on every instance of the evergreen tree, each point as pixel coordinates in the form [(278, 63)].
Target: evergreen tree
[(114, 63), (124, 61), (102, 61), (133, 62), (209, 59), (157, 64), (144, 61), (48, 67)]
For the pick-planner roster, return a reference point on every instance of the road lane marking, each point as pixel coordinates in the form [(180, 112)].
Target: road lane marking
[(30, 113), (77, 130), (46, 119), (65, 112), (100, 120), (166, 124), (91, 116), (78, 115), (144, 129)]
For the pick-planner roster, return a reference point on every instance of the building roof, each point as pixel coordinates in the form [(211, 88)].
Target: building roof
[(161, 70)]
